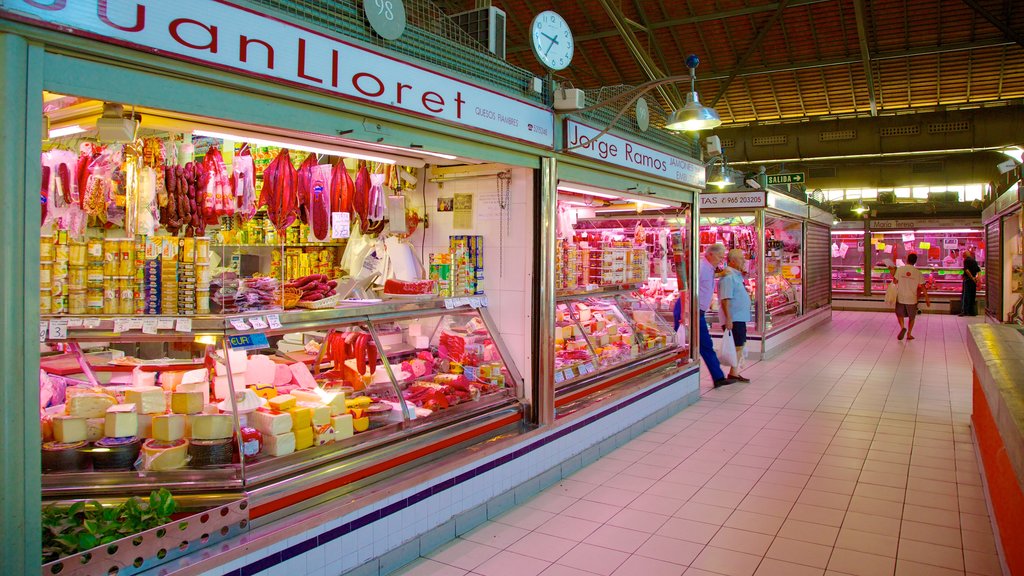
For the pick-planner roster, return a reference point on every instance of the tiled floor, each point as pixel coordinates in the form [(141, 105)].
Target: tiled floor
[(850, 453)]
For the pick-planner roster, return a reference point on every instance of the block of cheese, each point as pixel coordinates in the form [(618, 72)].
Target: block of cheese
[(270, 423), (335, 401), (147, 399), (282, 402), (415, 329), (190, 402), (282, 374), (419, 342), (303, 438), (146, 425), (157, 455), (261, 370), (212, 426), (361, 424), (323, 435), (302, 417), (301, 375), (89, 405), (169, 427), (46, 428), (239, 363), (342, 425), (195, 380), (280, 444), (94, 428), (69, 429), (321, 412), (122, 421)]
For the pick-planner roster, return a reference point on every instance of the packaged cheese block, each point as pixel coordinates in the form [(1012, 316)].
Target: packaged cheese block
[(301, 375), (419, 342), (270, 423), (342, 425), (212, 426), (335, 401), (280, 444), (282, 374), (90, 405), (221, 384), (260, 370), (301, 417), (147, 399), (94, 428), (122, 421), (282, 402), (68, 429), (157, 455), (239, 363), (195, 381), (267, 391), (143, 378), (190, 402), (323, 435), (321, 413), (169, 427), (303, 438)]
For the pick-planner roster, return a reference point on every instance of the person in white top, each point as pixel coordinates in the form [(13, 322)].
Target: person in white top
[(909, 286)]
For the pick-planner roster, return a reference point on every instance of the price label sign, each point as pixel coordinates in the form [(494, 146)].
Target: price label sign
[(240, 324), (274, 321), (91, 323), (74, 322), (341, 226), (165, 323), (183, 325), (258, 323), (135, 323), (559, 378), (569, 374), (44, 327), (150, 326), (449, 303), (120, 325), (254, 341)]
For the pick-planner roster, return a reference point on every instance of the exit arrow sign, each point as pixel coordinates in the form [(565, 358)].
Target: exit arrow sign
[(794, 178)]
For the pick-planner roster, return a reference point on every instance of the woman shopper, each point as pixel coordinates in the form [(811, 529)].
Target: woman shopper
[(969, 287), (735, 302)]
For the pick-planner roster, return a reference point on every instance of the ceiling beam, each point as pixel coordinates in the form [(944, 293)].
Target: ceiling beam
[(751, 49), (1004, 27), (717, 15), (865, 54), (646, 61)]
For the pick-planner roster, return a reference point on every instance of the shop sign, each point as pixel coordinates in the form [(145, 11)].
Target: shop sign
[(787, 204), (580, 140), (226, 36), (255, 341), (924, 223), (754, 199)]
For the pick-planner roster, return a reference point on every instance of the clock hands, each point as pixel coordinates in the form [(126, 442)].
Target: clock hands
[(552, 44)]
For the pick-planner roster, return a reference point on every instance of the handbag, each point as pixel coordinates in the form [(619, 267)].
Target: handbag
[(890, 294), (727, 350)]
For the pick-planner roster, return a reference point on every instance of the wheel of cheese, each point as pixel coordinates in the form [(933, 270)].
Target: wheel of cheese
[(158, 455), (110, 454), (210, 453), (65, 456)]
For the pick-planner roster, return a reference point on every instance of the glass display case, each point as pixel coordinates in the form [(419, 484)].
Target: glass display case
[(235, 402), (734, 232), (595, 334), (783, 270), (848, 261), (940, 255)]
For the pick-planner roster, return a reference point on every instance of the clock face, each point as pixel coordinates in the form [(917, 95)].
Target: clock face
[(551, 40)]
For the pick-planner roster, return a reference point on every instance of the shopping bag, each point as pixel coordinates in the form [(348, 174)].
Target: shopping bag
[(681, 335), (890, 294), (727, 350)]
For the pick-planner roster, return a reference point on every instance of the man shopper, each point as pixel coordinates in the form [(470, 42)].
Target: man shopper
[(735, 302), (713, 256), (909, 286), (969, 287)]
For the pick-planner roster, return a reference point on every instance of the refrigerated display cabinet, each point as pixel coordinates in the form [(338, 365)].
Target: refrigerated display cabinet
[(940, 256), (848, 262)]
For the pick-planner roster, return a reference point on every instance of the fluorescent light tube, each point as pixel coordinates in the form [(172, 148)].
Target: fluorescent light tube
[(293, 145), (66, 131)]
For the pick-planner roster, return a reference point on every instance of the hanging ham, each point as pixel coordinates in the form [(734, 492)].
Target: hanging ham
[(361, 198), (280, 180), (342, 188), (305, 186)]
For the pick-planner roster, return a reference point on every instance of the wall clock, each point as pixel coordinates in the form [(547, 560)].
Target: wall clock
[(551, 40)]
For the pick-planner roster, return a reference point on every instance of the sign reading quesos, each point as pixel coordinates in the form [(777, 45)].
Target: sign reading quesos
[(579, 140), (232, 37)]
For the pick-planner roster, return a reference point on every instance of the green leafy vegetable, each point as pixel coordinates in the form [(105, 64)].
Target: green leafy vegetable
[(72, 529)]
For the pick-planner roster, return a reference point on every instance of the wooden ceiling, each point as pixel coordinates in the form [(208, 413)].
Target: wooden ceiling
[(791, 60)]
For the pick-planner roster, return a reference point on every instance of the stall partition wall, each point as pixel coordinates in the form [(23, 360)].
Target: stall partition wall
[(994, 270), (817, 276), (1012, 263), (508, 243)]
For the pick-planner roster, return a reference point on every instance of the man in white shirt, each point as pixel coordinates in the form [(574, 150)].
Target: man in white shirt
[(713, 256), (909, 285)]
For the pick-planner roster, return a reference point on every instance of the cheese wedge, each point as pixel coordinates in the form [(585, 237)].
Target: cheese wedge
[(212, 426), (169, 427), (301, 417), (304, 438), (121, 421), (271, 423), (90, 405), (333, 400), (283, 402), (280, 444), (69, 429), (321, 413), (187, 402), (94, 428), (342, 425), (147, 399)]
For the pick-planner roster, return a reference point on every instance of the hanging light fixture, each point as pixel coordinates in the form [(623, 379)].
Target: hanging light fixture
[(720, 177), (693, 115)]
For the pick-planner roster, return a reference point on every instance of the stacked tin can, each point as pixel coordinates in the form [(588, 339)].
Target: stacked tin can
[(169, 275), (45, 274), (202, 268), (59, 274), (94, 276)]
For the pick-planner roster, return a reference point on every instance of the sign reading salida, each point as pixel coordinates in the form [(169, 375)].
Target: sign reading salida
[(233, 37), (579, 140)]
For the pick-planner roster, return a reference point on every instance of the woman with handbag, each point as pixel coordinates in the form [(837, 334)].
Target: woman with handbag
[(735, 303)]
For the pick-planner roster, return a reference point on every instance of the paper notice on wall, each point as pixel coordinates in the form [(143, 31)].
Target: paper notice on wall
[(835, 250), (908, 237), (879, 246), (888, 248), (462, 212), (843, 249), (924, 245), (948, 243), (488, 207)]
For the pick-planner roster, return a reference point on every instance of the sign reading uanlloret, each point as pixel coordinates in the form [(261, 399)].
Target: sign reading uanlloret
[(579, 140), (221, 34)]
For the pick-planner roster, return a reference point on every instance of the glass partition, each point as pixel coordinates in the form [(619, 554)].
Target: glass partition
[(783, 270)]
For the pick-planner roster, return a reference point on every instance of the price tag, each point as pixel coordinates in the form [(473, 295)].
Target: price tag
[(74, 322), (240, 324), (150, 326), (558, 377), (44, 328), (908, 237), (586, 368), (340, 225), (165, 323), (569, 374), (183, 325), (274, 321), (474, 302), (135, 323), (483, 301), (258, 323), (449, 303), (120, 325), (91, 323)]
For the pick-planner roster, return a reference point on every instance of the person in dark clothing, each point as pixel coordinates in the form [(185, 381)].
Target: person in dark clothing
[(969, 292)]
